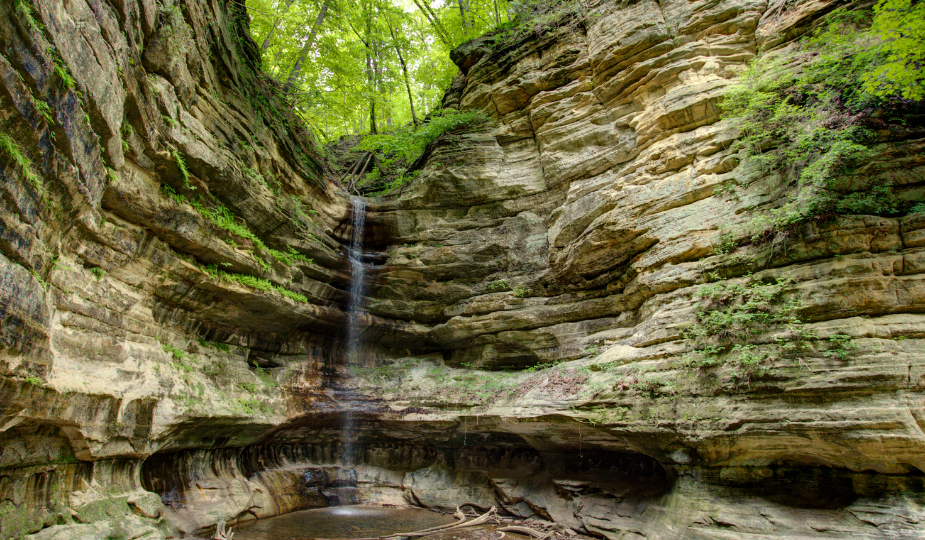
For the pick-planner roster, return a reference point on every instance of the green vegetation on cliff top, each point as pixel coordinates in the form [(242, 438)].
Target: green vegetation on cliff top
[(392, 155), (814, 127)]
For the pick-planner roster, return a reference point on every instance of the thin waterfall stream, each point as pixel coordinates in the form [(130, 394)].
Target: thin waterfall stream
[(357, 293)]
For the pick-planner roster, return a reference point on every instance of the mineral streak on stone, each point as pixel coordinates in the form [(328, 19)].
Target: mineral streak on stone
[(577, 229)]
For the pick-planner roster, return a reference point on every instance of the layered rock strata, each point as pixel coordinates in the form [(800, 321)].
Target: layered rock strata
[(153, 175), (580, 228), (584, 226)]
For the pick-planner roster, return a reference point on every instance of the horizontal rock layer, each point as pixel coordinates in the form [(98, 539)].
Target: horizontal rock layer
[(582, 229), (130, 320)]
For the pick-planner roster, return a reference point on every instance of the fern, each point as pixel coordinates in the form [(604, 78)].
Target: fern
[(43, 109), (13, 152), (183, 170), (63, 74), (26, 11), (253, 282)]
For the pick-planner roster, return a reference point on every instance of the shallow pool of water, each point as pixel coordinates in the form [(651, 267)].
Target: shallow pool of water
[(360, 521)]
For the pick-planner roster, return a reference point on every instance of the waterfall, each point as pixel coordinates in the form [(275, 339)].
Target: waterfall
[(357, 280), (357, 292)]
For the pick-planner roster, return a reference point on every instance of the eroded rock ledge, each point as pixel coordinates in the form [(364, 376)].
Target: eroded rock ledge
[(578, 229)]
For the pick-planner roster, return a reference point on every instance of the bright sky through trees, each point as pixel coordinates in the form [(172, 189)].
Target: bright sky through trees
[(360, 66)]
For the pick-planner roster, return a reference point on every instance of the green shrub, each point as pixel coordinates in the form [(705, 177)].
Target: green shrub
[(258, 178), (536, 17), (178, 354), (223, 347), (253, 406), (38, 278), (841, 347), (407, 143), (183, 170), (220, 216), (737, 310), (289, 257), (899, 26), (43, 109)]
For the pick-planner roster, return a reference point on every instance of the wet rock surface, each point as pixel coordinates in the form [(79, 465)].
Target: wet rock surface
[(144, 396)]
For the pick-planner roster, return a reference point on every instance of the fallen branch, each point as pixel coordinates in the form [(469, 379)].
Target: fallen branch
[(523, 530), (349, 173), (357, 170), (481, 520), (221, 533)]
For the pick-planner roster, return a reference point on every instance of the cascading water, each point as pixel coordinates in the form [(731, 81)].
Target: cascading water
[(357, 292), (357, 280)]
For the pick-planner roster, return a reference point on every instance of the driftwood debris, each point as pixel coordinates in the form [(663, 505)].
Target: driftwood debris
[(221, 533), (461, 523), (524, 530), (353, 174)]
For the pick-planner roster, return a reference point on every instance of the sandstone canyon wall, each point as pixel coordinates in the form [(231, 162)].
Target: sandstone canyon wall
[(579, 228)]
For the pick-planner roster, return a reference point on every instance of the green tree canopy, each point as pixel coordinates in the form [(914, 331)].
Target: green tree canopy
[(363, 66), (900, 70)]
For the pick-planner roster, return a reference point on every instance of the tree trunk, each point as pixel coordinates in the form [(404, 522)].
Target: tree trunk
[(380, 91), (276, 60), (372, 90), (370, 75), (497, 14), (434, 21), (297, 68), (404, 69), (462, 15), (266, 40)]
